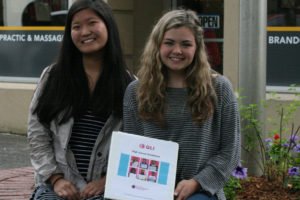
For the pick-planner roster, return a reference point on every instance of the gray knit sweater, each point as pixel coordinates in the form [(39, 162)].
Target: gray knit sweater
[(208, 153)]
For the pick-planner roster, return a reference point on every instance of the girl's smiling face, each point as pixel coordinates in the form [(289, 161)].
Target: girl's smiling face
[(88, 32), (178, 48)]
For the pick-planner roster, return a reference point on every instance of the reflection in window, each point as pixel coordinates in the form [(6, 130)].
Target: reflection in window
[(283, 13), (1, 13), (45, 13)]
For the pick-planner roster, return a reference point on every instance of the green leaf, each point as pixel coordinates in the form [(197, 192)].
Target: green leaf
[(286, 181)]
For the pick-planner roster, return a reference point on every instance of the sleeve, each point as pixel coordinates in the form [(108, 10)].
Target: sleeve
[(39, 138), (220, 167), (130, 117)]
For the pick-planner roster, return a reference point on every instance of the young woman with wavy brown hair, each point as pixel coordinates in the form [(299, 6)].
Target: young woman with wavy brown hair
[(178, 97)]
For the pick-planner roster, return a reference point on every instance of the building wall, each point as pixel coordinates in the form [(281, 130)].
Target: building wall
[(231, 42), (146, 13), (14, 105), (14, 16), (135, 23), (273, 112), (123, 12)]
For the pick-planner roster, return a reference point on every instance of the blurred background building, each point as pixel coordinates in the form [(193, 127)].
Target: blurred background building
[(31, 32)]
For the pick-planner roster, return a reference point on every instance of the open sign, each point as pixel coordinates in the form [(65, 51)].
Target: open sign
[(209, 21)]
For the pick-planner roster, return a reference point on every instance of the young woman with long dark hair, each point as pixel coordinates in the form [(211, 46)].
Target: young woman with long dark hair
[(77, 105)]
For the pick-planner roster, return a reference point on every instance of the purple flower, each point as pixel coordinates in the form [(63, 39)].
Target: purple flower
[(285, 145), (293, 171), (297, 148), (268, 147), (293, 138), (268, 140), (240, 172)]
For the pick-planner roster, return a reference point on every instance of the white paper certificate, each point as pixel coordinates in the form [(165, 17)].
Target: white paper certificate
[(140, 168)]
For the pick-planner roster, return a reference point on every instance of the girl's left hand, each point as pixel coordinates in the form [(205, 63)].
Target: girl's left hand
[(93, 188), (186, 188)]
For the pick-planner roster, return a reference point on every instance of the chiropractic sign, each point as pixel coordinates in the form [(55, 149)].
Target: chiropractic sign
[(283, 63), (26, 51), (31, 37)]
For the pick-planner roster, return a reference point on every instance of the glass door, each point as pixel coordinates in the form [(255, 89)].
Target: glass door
[(211, 15)]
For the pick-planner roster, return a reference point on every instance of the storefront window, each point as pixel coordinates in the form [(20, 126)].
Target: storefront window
[(283, 47), (31, 32), (45, 13), (1, 13), (211, 14)]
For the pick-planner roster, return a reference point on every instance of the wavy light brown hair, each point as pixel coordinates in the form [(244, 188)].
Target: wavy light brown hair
[(153, 77)]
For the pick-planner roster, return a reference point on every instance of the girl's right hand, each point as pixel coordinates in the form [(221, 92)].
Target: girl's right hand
[(66, 190), (186, 188)]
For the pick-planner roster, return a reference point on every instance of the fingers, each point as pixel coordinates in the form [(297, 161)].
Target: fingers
[(93, 188), (66, 190), (183, 194), (185, 188), (87, 192), (178, 189)]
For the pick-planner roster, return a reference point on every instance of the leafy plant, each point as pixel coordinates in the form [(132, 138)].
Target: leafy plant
[(233, 186), (279, 156)]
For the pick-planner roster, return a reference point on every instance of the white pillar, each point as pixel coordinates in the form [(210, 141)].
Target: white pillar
[(252, 64)]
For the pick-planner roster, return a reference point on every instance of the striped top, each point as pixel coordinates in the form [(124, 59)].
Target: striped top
[(208, 153), (85, 131)]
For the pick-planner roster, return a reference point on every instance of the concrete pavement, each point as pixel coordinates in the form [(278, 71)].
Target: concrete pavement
[(14, 151), (16, 173)]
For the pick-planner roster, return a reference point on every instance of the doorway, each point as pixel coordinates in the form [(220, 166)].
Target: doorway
[(211, 15)]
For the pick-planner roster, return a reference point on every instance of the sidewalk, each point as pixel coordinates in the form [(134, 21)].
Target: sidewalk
[(16, 173), (16, 184), (14, 151)]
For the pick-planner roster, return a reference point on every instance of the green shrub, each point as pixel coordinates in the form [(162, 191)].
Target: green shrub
[(280, 152)]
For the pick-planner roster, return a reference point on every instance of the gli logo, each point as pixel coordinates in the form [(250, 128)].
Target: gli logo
[(143, 146)]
